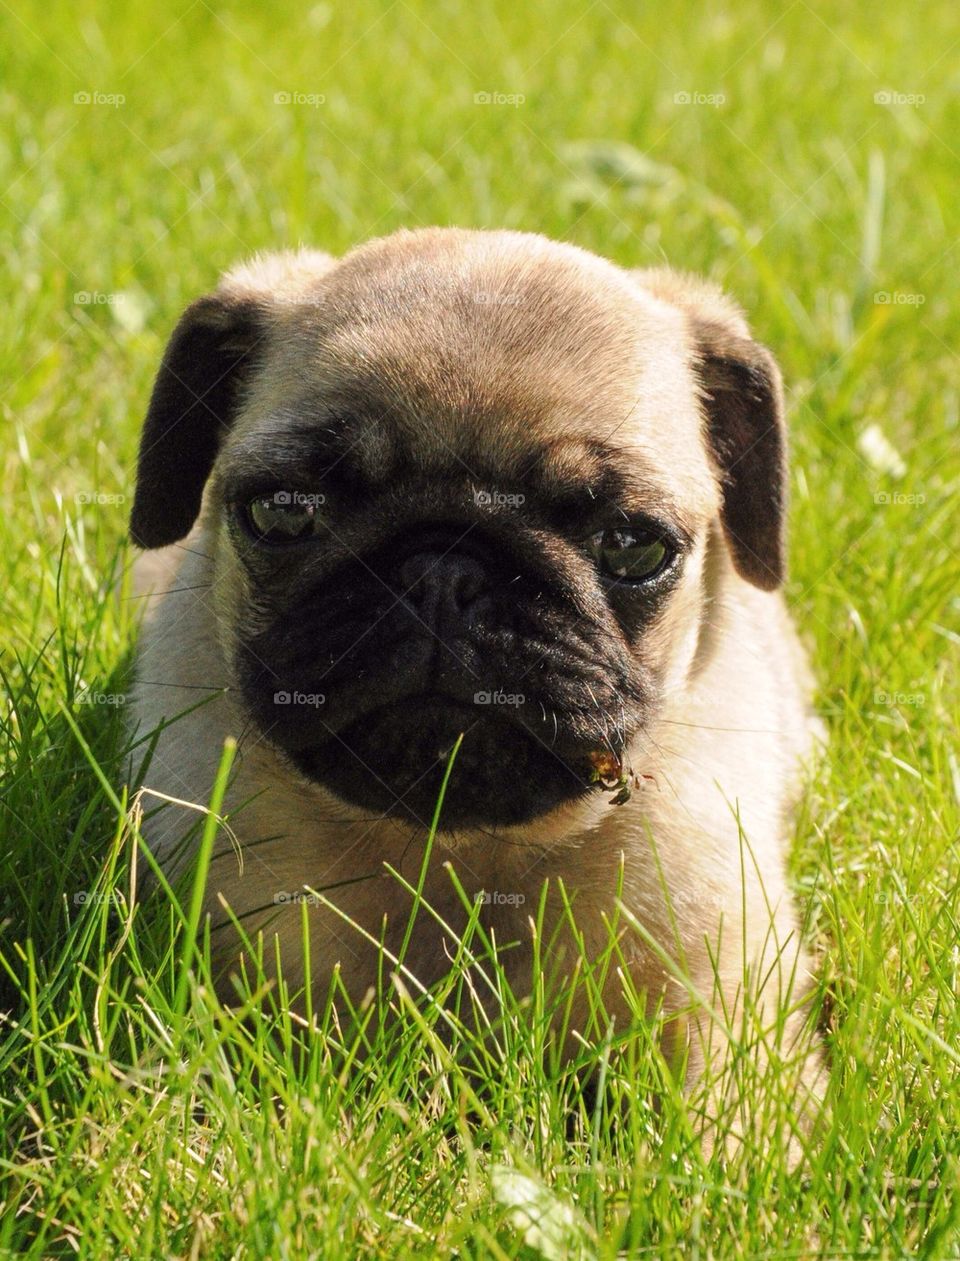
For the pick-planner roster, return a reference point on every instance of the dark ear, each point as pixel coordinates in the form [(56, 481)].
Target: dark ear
[(194, 402), (743, 400)]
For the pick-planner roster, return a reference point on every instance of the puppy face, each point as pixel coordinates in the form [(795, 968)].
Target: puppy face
[(461, 483)]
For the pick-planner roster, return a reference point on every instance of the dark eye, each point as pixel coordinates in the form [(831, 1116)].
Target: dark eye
[(631, 553), (284, 517)]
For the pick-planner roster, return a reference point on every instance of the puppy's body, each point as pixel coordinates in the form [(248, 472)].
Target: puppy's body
[(491, 398)]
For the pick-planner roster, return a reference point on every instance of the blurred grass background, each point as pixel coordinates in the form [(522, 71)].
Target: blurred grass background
[(812, 169)]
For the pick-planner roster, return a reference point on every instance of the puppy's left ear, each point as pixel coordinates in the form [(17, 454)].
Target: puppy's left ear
[(743, 404), (743, 399)]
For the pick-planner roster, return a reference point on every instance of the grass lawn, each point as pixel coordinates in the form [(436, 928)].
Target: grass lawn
[(803, 154)]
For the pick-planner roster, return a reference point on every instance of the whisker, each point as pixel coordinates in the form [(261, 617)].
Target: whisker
[(192, 550), (191, 687), (700, 726), (144, 595)]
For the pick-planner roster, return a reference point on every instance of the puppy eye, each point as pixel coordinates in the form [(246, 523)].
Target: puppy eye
[(630, 553), (284, 517)]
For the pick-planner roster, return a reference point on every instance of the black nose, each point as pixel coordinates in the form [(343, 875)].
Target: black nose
[(442, 588)]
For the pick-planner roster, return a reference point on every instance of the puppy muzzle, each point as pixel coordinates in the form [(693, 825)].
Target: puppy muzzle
[(379, 671)]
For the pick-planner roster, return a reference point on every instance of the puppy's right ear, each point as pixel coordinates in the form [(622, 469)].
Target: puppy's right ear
[(194, 402), (212, 354)]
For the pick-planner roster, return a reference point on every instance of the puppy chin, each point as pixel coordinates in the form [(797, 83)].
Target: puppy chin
[(562, 827), (393, 761), (390, 762)]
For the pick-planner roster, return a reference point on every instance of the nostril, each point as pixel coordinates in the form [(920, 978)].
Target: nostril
[(415, 573), (435, 582), (468, 583)]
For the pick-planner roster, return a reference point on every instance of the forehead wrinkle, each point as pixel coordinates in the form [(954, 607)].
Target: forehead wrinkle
[(572, 466), (559, 345), (422, 374), (465, 423), (297, 439)]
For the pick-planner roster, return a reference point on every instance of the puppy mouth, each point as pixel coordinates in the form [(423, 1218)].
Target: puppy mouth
[(393, 758)]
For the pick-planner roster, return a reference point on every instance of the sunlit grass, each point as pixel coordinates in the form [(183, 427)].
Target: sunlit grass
[(143, 1118)]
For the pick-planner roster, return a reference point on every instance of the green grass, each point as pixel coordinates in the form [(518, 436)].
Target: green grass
[(139, 1117)]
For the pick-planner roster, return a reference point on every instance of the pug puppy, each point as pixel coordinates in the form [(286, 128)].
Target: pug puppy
[(480, 483)]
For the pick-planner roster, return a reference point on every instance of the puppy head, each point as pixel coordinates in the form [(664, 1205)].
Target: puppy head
[(462, 482)]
